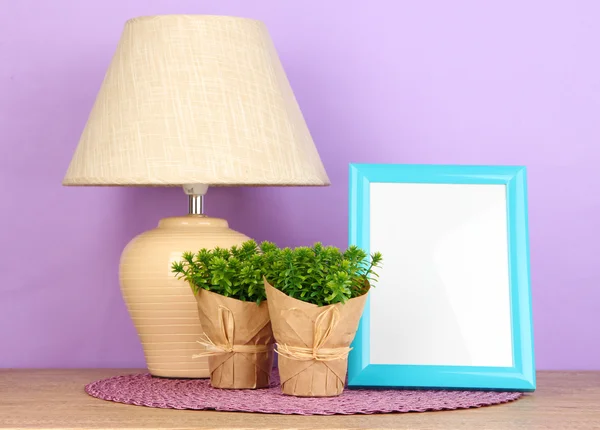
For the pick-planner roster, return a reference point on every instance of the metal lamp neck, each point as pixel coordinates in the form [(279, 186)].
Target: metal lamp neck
[(195, 204)]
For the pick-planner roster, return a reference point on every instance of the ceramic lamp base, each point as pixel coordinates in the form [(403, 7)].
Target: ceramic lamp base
[(163, 309)]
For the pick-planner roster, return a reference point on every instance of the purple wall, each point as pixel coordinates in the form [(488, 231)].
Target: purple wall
[(378, 81)]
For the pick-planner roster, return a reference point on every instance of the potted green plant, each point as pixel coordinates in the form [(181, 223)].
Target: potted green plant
[(229, 290), (316, 297)]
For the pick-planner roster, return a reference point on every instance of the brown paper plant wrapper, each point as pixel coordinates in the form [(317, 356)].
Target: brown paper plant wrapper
[(313, 342), (239, 341)]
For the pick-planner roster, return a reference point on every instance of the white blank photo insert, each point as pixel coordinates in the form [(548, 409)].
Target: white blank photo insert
[(443, 295)]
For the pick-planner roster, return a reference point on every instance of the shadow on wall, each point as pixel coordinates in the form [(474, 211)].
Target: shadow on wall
[(143, 207), (289, 216)]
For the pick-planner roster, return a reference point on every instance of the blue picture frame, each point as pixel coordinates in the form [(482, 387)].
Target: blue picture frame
[(520, 377)]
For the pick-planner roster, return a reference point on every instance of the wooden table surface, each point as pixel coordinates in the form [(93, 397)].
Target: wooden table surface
[(55, 399)]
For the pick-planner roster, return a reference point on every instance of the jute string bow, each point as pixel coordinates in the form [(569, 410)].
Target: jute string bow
[(227, 328), (323, 328)]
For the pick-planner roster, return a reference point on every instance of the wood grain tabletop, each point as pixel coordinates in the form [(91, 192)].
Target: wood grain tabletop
[(49, 399)]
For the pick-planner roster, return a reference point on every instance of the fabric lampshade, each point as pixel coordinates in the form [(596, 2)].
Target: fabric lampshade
[(194, 99)]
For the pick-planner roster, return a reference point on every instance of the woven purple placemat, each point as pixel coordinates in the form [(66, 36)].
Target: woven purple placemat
[(145, 390)]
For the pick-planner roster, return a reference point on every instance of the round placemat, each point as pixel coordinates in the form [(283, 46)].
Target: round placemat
[(146, 390)]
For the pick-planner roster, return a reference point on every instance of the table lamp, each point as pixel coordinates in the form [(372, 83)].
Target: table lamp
[(191, 101)]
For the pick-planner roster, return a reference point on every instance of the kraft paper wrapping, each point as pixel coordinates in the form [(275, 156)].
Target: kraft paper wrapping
[(239, 341), (313, 342)]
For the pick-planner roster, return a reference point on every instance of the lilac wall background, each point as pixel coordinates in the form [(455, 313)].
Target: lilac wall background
[(379, 81)]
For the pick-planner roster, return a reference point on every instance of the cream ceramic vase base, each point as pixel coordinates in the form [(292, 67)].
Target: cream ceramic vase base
[(163, 309)]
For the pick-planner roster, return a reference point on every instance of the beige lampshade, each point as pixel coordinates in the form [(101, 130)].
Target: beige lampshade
[(195, 99)]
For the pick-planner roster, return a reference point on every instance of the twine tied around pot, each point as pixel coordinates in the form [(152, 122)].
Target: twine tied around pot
[(322, 329), (227, 327)]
